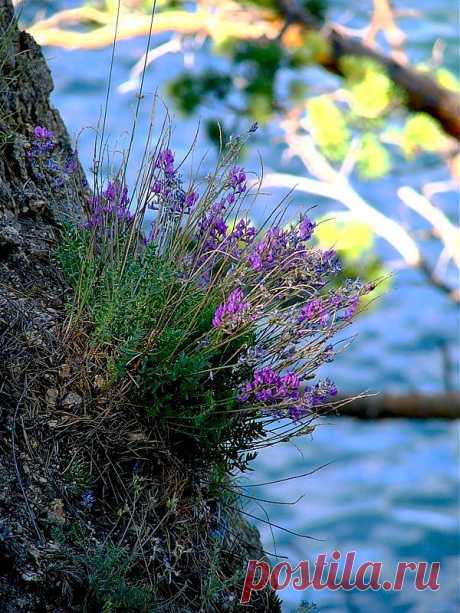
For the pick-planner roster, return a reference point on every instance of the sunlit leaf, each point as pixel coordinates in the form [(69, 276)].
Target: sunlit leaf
[(329, 127), (347, 234), (422, 132), (447, 79), (373, 158), (371, 96)]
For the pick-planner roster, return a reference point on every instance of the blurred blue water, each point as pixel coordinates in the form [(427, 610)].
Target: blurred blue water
[(392, 490), (390, 494)]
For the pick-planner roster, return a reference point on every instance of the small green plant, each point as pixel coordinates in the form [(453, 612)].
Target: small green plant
[(79, 475), (109, 569)]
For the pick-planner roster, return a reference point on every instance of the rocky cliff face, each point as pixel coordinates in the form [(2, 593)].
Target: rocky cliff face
[(31, 310), (63, 545)]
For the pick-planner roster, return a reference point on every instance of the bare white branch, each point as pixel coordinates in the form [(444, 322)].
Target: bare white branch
[(133, 83), (448, 233)]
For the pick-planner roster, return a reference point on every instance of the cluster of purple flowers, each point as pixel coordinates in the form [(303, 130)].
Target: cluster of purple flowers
[(306, 229), (322, 310), (243, 232), (112, 205), (293, 303), (40, 155), (212, 227), (237, 180), (283, 248), (165, 161), (283, 261), (232, 312), (282, 394), (314, 309), (42, 143), (167, 191), (214, 235)]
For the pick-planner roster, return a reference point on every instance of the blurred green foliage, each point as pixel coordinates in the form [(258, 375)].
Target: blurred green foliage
[(421, 133), (354, 241), (329, 127), (190, 92), (313, 47), (374, 160), (447, 79)]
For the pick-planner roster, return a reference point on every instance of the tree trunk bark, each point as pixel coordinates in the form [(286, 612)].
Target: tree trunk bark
[(31, 309)]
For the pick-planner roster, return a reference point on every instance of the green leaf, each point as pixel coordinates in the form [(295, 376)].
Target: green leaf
[(447, 79), (349, 236), (313, 48), (329, 127), (371, 97), (422, 132), (373, 158)]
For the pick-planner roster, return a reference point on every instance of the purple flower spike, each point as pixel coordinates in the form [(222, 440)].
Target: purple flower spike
[(306, 229), (190, 200), (238, 179), (311, 310), (352, 307), (165, 161), (232, 312), (43, 133), (112, 204)]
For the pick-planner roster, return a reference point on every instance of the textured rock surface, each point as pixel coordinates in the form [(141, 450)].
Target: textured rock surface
[(31, 304)]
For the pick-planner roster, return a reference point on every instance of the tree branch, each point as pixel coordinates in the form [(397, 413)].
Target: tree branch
[(227, 20), (447, 232), (333, 184), (423, 94), (442, 406)]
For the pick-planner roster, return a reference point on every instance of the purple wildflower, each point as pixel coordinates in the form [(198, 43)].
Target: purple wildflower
[(237, 179), (112, 204), (313, 310), (70, 165), (352, 307), (243, 233), (156, 187), (88, 499), (306, 229), (212, 231), (321, 392), (284, 249), (43, 133), (268, 386), (55, 171), (165, 161), (282, 393), (167, 193), (43, 143), (190, 199), (268, 252), (232, 312)]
